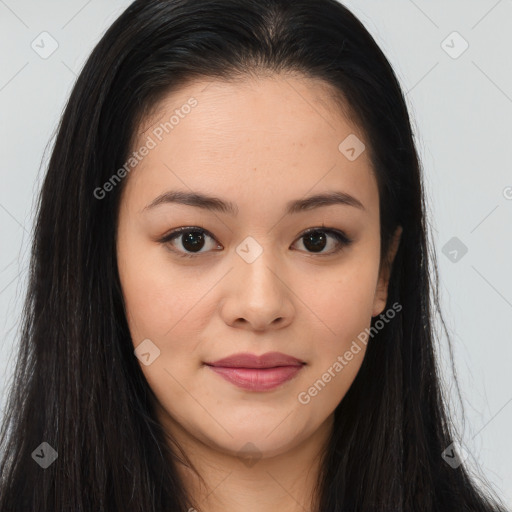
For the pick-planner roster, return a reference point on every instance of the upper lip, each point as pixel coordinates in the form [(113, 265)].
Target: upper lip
[(247, 360)]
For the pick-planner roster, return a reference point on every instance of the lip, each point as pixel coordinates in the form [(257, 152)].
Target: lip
[(247, 360), (257, 373)]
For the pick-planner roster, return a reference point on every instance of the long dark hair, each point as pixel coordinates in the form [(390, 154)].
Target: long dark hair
[(78, 386)]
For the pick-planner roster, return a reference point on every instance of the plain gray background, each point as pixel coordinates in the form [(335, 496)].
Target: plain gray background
[(460, 101)]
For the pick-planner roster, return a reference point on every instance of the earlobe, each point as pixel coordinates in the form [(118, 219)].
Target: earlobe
[(381, 293)]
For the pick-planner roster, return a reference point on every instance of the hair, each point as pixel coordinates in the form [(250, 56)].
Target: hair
[(77, 384)]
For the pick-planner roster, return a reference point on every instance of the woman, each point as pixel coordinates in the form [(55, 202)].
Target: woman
[(229, 301)]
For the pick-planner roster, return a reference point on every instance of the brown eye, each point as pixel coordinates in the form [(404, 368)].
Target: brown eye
[(191, 240), (315, 240)]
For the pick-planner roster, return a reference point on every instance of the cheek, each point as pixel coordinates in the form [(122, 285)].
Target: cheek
[(344, 305), (170, 306), (155, 295), (339, 350), (343, 299), (162, 306)]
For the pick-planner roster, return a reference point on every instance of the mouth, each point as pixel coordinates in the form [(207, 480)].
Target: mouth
[(257, 373)]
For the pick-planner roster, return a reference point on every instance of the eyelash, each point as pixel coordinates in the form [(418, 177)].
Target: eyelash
[(340, 237)]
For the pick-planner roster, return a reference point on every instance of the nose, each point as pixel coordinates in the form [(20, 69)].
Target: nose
[(257, 296)]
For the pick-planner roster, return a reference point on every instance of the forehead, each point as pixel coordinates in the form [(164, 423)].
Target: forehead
[(266, 136)]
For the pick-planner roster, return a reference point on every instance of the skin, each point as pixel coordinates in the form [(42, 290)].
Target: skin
[(258, 143)]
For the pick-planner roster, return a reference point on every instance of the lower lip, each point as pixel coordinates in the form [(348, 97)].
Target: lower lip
[(257, 379)]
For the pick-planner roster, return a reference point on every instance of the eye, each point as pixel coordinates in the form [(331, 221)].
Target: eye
[(193, 240), (316, 239)]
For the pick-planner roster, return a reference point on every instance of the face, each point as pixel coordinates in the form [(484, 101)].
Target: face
[(266, 272)]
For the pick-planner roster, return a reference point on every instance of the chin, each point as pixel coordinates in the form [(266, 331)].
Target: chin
[(263, 438), (252, 446)]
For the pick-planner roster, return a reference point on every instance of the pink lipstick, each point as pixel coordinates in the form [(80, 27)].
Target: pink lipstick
[(257, 373)]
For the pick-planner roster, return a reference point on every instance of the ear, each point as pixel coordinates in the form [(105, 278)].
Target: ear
[(381, 292)]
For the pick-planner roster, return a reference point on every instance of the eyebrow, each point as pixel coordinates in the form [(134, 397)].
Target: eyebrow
[(216, 204)]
